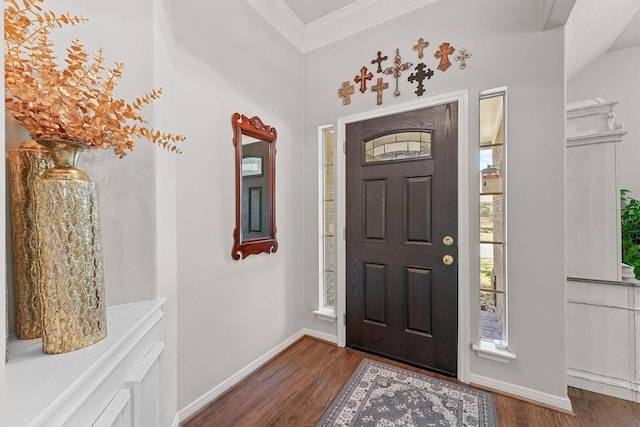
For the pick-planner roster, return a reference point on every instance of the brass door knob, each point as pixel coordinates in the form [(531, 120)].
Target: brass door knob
[(447, 260)]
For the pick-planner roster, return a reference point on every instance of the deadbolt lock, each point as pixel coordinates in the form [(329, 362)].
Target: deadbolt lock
[(447, 240), (447, 260)]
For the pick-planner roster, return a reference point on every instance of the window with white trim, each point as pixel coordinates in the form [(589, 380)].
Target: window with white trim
[(493, 242), (327, 243)]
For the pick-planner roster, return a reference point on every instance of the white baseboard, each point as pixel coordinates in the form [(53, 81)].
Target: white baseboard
[(598, 383), (209, 396), (321, 336), (551, 401)]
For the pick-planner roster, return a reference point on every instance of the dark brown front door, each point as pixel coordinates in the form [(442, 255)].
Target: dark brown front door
[(402, 220)]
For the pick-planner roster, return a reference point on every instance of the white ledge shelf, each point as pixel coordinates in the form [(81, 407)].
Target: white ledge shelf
[(326, 314), (49, 389), (488, 350)]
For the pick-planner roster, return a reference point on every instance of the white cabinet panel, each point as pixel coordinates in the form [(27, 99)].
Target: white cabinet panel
[(593, 191), (603, 336), (117, 413), (73, 389), (144, 385)]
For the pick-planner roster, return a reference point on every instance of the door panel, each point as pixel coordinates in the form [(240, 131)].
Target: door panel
[(375, 293), (418, 209), (374, 209), (418, 300), (401, 202)]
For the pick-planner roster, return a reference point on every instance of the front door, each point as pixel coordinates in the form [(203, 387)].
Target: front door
[(401, 237)]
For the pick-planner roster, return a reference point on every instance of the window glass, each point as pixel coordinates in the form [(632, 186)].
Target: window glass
[(398, 146), (328, 229), (492, 166)]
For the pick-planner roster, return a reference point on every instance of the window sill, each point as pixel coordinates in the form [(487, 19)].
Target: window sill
[(326, 314), (488, 350)]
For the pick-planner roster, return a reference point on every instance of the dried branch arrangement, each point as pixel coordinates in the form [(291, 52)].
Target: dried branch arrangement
[(75, 102)]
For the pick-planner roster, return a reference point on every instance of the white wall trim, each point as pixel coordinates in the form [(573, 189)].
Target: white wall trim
[(212, 394), (344, 22), (555, 402), (555, 13), (603, 384), (323, 313), (280, 16), (604, 305), (599, 138), (462, 97), (355, 18), (321, 336), (326, 314), (488, 350)]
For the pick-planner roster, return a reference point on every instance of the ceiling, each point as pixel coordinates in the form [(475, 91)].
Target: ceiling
[(592, 26), (312, 10)]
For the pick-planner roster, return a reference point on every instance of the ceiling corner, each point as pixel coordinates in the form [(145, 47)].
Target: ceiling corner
[(282, 18), (333, 26), (555, 13), (354, 18)]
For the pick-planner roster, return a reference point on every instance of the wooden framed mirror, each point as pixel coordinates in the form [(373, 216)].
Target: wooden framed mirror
[(255, 144)]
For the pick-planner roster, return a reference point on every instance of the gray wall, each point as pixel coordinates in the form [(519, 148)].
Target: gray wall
[(508, 50), (127, 187), (225, 60)]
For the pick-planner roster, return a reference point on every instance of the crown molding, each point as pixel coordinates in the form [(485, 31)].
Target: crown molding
[(555, 13), (282, 18), (342, 23)]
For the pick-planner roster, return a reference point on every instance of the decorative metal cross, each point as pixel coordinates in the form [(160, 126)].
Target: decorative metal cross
[(362, 79), (420, 47), (419, 76), (397, 69), (443, 54), (345, 92), (379, 87), (462, 56), (379, 60)]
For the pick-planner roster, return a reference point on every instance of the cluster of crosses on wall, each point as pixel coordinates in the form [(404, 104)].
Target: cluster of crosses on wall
[(418, 77)]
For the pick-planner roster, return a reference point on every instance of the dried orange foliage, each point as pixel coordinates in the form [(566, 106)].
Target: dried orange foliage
[(75, 102)]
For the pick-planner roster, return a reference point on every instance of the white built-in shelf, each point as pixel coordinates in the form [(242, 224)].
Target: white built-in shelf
[(76, 387)]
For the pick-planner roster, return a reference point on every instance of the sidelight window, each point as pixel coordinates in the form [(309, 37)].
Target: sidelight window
[(327, 243), (493, 254)]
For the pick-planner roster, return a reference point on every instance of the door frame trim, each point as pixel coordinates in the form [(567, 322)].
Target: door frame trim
[(464, 287)]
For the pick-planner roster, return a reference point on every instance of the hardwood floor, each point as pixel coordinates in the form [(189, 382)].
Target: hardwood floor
[(295, 388)]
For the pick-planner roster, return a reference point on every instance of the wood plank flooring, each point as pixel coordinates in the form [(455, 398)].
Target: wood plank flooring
[(295, 387)]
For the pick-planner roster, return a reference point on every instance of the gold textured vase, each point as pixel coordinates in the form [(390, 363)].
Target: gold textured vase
[(26, 164), (69, 243)]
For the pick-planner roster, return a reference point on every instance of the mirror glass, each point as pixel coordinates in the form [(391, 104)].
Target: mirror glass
[(255, 188), (255, 230)]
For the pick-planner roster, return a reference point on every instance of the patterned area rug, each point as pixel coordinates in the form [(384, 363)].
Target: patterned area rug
[(382, 395)]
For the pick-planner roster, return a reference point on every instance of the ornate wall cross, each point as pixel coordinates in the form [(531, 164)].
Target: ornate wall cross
[(443, 54), (397, 69), (362, 79), (420, 47), (379, 87), (419, 76), (345, 92), (462, 56), (379, 60)]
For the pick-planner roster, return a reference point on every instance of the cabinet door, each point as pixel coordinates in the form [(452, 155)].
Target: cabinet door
[(144, 384), (117, 413)]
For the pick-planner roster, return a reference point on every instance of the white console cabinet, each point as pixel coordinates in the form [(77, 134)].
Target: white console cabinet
[(603, 300), (115, 382), (593, 191)]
